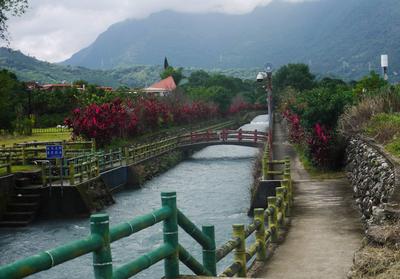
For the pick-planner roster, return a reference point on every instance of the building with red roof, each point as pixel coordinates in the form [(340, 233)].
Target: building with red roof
[(162, 88)]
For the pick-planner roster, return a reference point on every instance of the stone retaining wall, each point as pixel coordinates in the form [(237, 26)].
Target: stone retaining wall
[(372, 173)]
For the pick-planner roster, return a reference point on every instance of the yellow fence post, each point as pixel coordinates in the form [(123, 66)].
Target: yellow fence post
[(93, 144), (126, 155), (288, 196), (281, 209), (272, 219), (260, 234), (23, 156), (97, 164), (72, 174), (240, 251)]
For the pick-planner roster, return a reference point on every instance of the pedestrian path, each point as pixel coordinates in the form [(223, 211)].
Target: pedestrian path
[(325, 230)]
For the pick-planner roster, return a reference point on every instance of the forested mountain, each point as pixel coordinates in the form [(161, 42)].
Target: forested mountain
[(30, 69), (339, 37)]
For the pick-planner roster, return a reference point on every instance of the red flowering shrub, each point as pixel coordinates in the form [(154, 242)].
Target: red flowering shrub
[(319, 142), (103, 122), (239, 105), (296, 132), (122, 119)]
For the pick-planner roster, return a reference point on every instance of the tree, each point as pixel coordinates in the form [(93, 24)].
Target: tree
[(297, 76), (369, 84), (166, 64), (80, 83), (198, 79), (11, 94), (7, 8), (176, 74)]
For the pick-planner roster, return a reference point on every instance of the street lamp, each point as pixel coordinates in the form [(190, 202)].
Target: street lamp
[(267, 77), (385, 65)]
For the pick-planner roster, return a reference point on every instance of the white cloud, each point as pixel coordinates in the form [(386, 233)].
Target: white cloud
[(54, 30)]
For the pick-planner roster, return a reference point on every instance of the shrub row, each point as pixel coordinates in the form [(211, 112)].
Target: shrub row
[(124, 119)]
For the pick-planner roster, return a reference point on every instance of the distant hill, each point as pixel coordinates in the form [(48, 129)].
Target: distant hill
[(30, 69), (337, 37)]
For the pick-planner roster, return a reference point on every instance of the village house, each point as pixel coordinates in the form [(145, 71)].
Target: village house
[(161, 88)]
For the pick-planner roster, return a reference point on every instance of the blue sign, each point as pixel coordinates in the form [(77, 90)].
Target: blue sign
[(54, 152)]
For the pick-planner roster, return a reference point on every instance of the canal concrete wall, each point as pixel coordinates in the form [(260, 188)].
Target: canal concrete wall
[(80, 200), (374, 175)]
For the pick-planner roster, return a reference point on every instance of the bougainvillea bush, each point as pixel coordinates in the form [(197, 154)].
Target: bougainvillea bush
[(312, 118), (123, 119)]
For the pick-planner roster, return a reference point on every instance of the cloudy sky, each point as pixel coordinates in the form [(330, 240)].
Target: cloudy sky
[(53, 30)]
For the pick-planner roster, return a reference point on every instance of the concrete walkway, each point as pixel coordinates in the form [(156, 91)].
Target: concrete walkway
[(325, 231)]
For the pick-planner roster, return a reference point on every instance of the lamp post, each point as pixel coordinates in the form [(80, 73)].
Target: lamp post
[(385, 65), (267, 77)]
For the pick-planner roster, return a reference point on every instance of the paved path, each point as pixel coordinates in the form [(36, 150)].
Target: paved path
[(325, 230)]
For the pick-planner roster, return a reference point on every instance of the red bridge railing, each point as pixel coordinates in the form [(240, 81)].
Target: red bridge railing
[(224, 136)]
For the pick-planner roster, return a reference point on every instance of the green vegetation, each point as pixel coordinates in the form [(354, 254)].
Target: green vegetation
[(376, 115), (313, 171), (15, 169), (176, 74), (312, 108), (10, 99), (222, 90), (296, 76), (10, 140), (30, 69)]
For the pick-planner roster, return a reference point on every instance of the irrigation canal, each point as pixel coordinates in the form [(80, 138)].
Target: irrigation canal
[(212, 188)]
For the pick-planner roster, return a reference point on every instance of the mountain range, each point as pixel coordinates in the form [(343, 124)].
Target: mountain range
[(31, 69), (335, 37)]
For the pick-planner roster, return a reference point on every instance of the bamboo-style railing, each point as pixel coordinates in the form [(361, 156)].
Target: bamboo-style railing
[(84, 167), (28, 152), (266, 226)]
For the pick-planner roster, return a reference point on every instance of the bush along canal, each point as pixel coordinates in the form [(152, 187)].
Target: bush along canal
[(212, 188)]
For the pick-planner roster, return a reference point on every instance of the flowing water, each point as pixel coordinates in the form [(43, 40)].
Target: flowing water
[(212, 188)]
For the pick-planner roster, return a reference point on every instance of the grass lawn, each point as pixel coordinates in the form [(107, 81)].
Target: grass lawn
[(394, 147), (313, 171), (10, 140)]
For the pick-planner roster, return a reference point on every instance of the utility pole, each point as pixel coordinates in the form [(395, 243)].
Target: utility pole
[(267, 77), (270, 114)]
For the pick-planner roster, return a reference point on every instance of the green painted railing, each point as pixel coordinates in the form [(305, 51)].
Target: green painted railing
[(172, 252), (86, 166), (28, 152), (52, 130), (6, 167)]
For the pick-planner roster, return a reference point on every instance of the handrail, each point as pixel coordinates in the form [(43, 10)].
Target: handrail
[(98, 242), (83, 167), (23, 153)]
